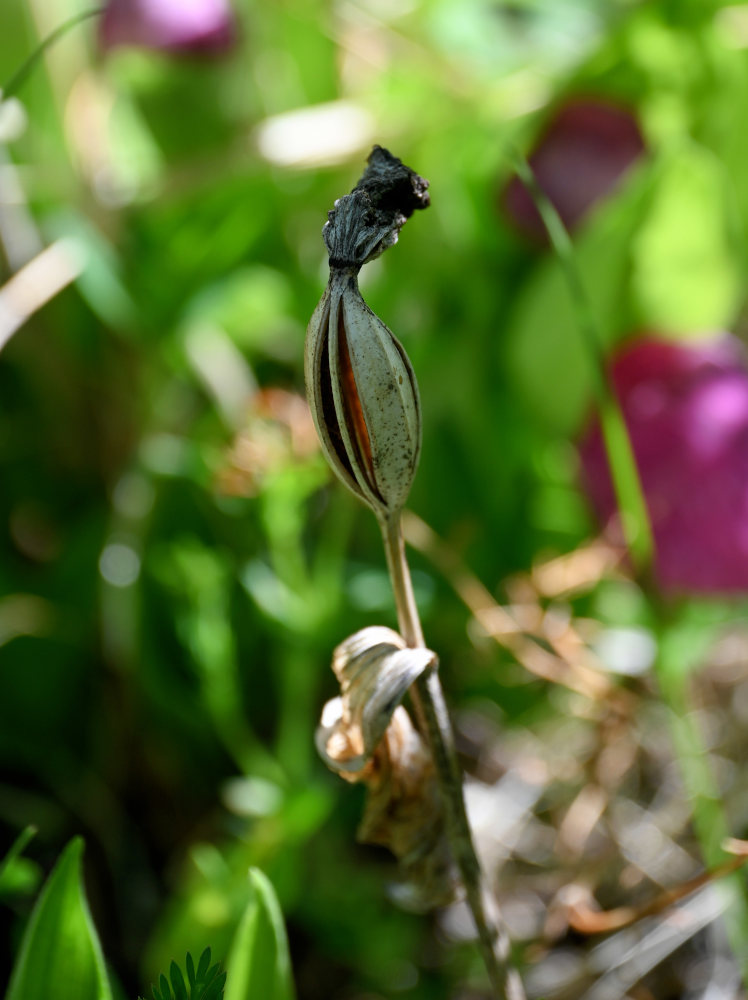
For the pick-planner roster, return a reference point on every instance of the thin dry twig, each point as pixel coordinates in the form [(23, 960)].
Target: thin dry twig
[(583, 918), (431, 708)]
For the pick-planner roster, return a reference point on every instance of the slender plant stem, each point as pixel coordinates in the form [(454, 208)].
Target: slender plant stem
[(433, 716), (672, 669), (634, 516), (19, 77)]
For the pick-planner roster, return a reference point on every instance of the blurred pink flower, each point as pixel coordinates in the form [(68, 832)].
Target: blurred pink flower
[(686, 408), (586, 147), (188, 26)]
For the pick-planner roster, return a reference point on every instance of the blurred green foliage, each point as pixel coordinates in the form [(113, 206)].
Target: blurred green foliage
[(175, 567)]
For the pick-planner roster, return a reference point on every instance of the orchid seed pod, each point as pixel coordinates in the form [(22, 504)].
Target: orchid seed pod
[(363, 396), (360, 383)]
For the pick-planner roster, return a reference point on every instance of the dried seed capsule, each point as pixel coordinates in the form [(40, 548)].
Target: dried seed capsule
[(361, 386), (363, 395)]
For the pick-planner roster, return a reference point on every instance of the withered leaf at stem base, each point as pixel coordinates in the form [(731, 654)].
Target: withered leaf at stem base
[(366, 735)]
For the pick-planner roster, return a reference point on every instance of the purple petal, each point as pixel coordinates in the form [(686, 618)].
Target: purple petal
[(579, 159), (686, 409), (199, 26)]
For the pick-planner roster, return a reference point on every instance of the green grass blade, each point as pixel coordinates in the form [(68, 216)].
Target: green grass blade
[(628, 490), (60, 955), (259, 966), (19, 77)]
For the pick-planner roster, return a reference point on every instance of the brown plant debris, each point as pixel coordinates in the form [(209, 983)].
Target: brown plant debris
[(366, 735), (585, 919)]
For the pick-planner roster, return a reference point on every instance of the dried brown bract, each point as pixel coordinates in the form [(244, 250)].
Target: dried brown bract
[(366, 735)]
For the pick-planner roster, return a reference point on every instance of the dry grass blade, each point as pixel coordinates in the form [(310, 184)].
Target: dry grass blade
[(35, 284), (583, 918), (502, 626)]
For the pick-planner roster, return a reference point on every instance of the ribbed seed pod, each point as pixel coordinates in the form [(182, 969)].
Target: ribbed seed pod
[(361, 386), (363, 395)]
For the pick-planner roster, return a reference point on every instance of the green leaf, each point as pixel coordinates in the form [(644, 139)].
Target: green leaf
[(190, 965), (60, 954), (546, 353), (177, 982), (17, 873), (686, 276), (205, 984), (259, 967), (203, 964), (100, 282)]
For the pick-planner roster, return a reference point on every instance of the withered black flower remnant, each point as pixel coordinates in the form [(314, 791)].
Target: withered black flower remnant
[(361, 386)]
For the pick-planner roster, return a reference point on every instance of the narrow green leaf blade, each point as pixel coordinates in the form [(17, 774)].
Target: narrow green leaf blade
[(259, 966), (214, 990), (190, 965), (203, 964), (60, 953), (177, 982)]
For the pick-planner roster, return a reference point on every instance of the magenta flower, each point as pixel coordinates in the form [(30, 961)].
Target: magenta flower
[(585, 149), (187, 26), (686, 408)]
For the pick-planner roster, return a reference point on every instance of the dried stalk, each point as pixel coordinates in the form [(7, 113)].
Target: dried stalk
[(433, 717)]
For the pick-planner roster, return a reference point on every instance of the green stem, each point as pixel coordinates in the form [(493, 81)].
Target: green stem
[(24, 70), (295, 735), (433, 716), (629, 494), (709, 819)]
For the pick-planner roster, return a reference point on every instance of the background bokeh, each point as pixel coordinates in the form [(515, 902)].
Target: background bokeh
[(176, 563)]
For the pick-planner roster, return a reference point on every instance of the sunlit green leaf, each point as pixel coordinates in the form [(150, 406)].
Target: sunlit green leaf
[(60, 955), (10, 859), (546, 352), (259, 966), (685, 272)]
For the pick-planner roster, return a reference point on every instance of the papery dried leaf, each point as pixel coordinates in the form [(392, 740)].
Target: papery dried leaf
[(403, 812), (375, 669), (366, 735)]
